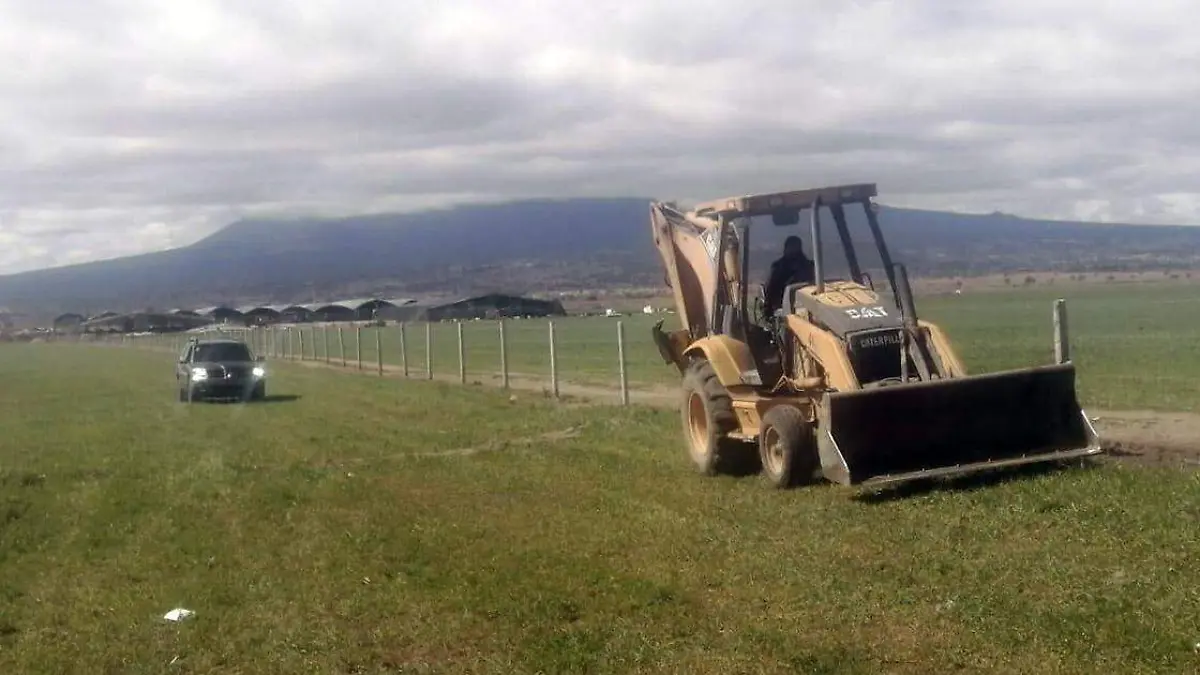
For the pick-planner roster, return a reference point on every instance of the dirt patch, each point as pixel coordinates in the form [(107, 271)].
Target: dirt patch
[(1150, 438)]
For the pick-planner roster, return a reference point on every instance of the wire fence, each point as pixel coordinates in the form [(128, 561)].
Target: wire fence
[(599, 352)]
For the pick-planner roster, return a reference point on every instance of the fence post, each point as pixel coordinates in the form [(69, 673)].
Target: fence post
[(621, 358), (503, 356), (403, 349), (358, 344), (462, 357), (1062, 347), (301, 338), (342, 343), (379, 348), (325, 331), (429, 350), (553, 363)]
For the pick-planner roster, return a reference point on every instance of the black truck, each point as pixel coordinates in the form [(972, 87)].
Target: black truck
[(220, 369)]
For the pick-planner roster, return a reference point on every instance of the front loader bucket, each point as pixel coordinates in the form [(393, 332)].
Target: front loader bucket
[(953, 426)]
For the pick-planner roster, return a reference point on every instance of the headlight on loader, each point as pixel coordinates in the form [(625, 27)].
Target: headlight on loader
[(259, 371), (199, 374)]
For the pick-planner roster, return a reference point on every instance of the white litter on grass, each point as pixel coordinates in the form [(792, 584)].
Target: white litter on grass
[(178, 614)]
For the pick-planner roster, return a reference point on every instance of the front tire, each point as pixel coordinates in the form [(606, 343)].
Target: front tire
[(707, 416), (787, 448)]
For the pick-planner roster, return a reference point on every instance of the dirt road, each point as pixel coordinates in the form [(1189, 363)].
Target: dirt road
[(1134, 436)]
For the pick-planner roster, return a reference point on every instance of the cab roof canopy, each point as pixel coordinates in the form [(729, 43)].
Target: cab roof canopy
[(750, 206)]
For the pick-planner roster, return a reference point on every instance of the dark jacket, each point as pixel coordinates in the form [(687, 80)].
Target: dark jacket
[(783, 273)]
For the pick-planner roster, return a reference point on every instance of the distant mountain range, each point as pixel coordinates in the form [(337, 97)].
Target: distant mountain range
[(542, 245)]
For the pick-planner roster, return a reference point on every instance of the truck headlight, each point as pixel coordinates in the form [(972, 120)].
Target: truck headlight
[(259, 371), (199, 374)]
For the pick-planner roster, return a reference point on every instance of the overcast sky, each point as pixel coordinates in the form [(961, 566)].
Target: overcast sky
[(135, 125)]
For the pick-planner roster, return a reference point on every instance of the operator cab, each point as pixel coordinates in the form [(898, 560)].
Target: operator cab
[(876, 328), (846, 304)]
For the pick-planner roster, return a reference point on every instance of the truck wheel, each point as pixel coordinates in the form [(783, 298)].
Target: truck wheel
[(787, 448), (708, 416)]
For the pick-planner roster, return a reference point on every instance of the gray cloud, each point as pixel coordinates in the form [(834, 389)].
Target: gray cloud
[(134, 125)]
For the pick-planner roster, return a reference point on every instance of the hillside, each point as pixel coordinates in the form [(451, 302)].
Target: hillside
[(541, 245)]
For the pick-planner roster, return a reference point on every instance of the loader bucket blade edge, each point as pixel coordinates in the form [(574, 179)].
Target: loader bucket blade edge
[(946, 472), (959, 425)]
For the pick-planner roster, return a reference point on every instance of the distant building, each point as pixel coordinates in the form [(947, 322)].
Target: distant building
[(69, 323), (262, 315), (355, 309), (222, 314), (336, 311), (295, 314), (140, 322), (377, 308), (492, 306)]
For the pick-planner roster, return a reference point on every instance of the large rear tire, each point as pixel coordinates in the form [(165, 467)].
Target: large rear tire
[(707, 415), (787, 447)]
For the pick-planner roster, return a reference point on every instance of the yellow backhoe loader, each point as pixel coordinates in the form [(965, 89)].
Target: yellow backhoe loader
[(841, 382)]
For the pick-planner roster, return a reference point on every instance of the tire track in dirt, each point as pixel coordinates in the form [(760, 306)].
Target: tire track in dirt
[(1141, 437)]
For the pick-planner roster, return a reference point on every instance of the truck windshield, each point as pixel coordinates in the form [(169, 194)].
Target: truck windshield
[(223, 352)]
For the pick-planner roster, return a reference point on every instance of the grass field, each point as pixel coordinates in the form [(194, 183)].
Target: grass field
[(1135, 345), (363, 525)]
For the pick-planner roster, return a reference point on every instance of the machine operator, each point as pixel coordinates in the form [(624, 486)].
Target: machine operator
[(793, 267)]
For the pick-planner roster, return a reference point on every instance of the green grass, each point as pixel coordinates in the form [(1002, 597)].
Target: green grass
[(377, 525), (1134, 345)]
